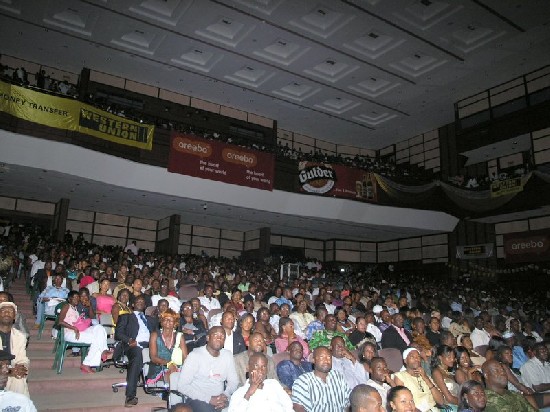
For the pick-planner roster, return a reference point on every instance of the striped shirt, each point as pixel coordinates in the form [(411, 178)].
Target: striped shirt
[(317, 396)]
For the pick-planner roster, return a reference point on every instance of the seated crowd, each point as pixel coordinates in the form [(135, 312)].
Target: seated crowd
[(232, 334)]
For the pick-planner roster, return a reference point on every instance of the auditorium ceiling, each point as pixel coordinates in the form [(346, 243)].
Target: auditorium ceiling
[(366, 73)]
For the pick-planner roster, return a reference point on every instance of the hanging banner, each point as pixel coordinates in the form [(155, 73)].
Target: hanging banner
[(338, 181), (506, 187), (68, 114), (210, 159), (482, 251), (533, 246)]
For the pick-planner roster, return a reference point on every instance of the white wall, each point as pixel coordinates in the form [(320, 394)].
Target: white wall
[(74, 160)]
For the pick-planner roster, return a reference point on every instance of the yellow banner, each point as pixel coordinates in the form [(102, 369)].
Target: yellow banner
[(64, 113), (506, 187)]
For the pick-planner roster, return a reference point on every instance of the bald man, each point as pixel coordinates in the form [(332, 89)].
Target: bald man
[(323, 389), (499, 398), (365, 398), (208, 377)]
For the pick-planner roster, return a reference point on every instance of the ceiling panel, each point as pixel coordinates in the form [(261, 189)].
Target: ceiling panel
[(363, 73)]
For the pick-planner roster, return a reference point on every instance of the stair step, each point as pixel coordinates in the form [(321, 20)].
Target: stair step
[(43, 359), (70, 391), (72, 379), (41, 344), (91, 400)]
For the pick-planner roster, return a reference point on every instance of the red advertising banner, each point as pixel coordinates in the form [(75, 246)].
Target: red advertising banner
[(337, 181), (209, 159), (531, 246)]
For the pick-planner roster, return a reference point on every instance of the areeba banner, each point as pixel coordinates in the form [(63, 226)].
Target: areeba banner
[(210, 159), (68, 114)]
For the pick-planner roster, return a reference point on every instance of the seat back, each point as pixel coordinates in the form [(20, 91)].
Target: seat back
[(212, 313), (107, 321), (279, 357), (481, 349), (175, 397), (150, 311), (393, 358)]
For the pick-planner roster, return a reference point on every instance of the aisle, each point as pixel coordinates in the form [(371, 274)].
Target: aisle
[(72, 391)]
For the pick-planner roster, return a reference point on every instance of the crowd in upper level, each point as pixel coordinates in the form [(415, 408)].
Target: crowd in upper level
[(403, 173), (45, 83), (232, 333)]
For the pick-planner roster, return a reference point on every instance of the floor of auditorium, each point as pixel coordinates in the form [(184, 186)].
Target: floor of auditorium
[(70, 391)]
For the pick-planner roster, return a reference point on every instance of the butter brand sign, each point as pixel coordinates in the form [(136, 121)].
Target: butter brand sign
[(337, 181), (210, 159)]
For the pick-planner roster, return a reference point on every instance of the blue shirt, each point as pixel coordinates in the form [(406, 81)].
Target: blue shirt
[(314, 327), (53, 292), (519, 357), (288, 372)]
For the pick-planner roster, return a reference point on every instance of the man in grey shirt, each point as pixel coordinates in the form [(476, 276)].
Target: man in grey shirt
[(204, 373)]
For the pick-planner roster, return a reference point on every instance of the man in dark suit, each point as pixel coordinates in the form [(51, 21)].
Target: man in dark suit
[(133, 330), (234, 341), (396, 336), (42, 275)]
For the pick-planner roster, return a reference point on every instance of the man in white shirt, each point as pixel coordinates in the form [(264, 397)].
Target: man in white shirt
[(479, 335), (208, 302), (372, 328), (535, 373), (327, 299), (380, 378), (260, 393), (9, 400), (344, 362), (132, 247)]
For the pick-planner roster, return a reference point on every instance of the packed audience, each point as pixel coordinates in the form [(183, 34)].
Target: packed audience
[(404, 173), (233, 334), (484, 182), (40, 80)]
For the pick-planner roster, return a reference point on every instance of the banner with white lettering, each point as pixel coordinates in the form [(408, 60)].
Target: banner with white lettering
[(337, 181), (533, 246), (210, 159)]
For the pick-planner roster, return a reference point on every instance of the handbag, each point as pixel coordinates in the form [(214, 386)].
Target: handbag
[(82, 323), (177, 354)]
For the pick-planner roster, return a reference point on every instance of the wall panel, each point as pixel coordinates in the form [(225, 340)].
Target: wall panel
[(33, 206), (7, 203), (139, 234)]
